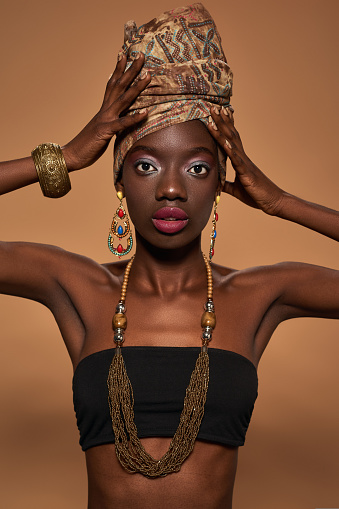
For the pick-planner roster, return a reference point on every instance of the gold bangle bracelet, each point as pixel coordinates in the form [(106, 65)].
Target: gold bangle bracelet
[(52, 170)]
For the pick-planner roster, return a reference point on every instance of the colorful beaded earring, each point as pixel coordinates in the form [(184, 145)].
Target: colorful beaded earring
[(214, 231), (119, 231)]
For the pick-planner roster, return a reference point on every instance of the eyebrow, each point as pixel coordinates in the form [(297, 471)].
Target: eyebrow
[(153, 150)]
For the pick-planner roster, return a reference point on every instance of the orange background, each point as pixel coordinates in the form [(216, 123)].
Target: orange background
[(55, 60)]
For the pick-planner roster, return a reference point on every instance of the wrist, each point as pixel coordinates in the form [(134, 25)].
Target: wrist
[(69, 159), (278, 204), (286, 205)]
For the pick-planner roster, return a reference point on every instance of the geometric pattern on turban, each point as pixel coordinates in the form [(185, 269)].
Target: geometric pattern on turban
[(184, 56)]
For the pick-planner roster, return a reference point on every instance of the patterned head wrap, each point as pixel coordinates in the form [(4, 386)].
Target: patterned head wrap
[(184, 56)]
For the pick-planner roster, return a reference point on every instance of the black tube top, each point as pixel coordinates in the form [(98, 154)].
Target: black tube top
[(159, 377)]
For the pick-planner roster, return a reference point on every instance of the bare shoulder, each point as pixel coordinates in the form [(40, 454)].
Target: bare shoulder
[(70, 267), (275, 276), (116, 269), (34, 270), (291, 289), (225, 276)]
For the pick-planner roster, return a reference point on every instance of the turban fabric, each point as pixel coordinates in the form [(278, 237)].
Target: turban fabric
[(184, 56)]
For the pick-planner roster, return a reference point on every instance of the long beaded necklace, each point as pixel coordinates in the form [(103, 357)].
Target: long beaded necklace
[(130, 452)]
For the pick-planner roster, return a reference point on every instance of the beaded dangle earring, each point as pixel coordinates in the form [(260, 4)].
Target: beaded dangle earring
[(214, 231), (119, 231)]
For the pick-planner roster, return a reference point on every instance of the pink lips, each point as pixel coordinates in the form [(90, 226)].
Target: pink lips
[(170, 219)]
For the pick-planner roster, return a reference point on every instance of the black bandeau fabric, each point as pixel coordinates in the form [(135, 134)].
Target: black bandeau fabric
[(159, 377)]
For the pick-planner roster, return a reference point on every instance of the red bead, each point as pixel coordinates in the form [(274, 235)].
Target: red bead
[(119, 248), (212, 252), (121, 213), (216, 216)]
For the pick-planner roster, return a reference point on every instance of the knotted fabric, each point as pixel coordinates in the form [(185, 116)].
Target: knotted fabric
[(184, 56)]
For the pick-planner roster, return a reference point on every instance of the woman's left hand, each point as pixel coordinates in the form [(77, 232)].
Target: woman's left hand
[(251, 186)]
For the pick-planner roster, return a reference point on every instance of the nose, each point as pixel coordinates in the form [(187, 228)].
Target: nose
[(171, 185)]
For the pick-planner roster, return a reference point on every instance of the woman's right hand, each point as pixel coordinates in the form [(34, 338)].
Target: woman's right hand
[(120, 93)]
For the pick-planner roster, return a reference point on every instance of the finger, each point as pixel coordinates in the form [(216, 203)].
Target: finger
[(232, 148), (132, 72), (128, 121), (226, 127), (228, 112), (121, 79), (221, 117), (129, 96), (116, 74), (220, 137), (228, 187)]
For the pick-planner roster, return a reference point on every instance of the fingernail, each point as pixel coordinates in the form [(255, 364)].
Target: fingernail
[(227, 143), (211, 123), (225, 112), (138, 55), (143, 75), (120, 55), (143, 110), (216, 110)]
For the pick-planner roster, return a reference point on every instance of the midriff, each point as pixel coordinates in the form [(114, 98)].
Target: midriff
[(206, 479)]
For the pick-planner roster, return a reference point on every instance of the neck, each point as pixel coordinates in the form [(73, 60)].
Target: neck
[(168, 271)]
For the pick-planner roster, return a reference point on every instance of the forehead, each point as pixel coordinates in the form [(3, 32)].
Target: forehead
[(178, 138)]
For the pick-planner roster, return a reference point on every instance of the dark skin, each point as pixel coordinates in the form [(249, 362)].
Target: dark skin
[(176, 166)]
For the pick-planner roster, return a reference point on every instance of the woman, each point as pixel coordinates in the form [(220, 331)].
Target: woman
[(164, 169)]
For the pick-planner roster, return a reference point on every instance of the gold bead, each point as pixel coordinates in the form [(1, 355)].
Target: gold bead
[(119, 321), (208, 319)]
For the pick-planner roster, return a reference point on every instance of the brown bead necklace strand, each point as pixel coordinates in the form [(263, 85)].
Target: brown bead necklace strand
[(130, 452)]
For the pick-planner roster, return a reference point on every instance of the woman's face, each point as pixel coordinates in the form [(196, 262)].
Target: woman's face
[(170, 180)]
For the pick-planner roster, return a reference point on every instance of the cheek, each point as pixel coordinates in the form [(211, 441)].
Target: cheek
[(139, 201), (201, 203), (205, 209)]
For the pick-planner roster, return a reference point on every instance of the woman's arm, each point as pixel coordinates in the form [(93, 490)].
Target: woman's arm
[(311, 215), (297, 289), (27, 270), (41, 272), (252, 187), (121, 90)]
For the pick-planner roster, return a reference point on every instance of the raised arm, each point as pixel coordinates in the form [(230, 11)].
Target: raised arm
[(43, 273), (121, 90), (252, 187), (294, 289)]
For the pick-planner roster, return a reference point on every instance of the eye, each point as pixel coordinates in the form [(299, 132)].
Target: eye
[(199, 169), (144, 167)]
